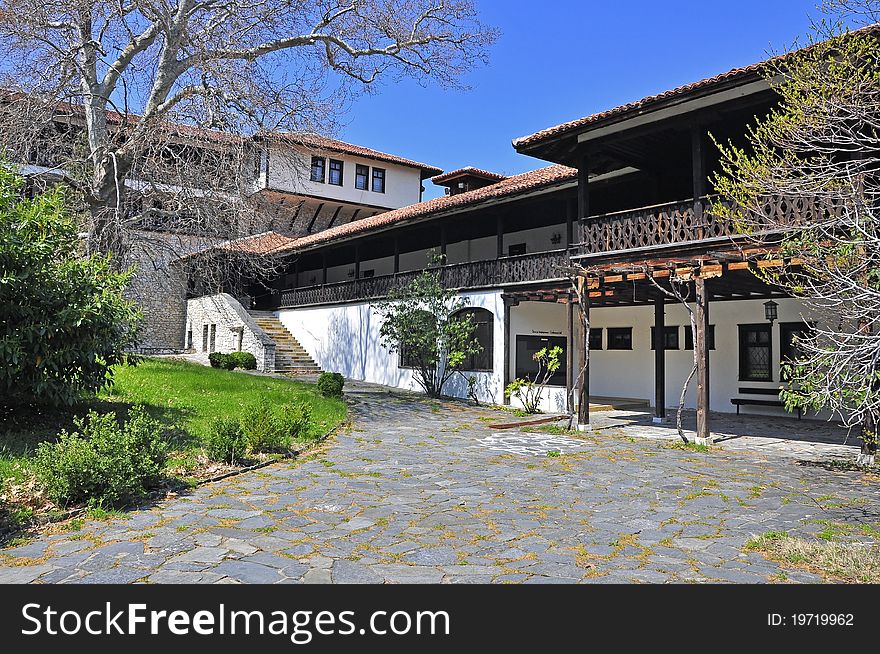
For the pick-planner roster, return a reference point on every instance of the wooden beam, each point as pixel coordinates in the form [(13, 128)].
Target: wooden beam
[(354, 215), (499, 235), (569, 357), (396, 254), (324, 267), (509, 303), (583, 384), (659, 360), (357, 260), (570, 210), (314, 218), (335, 215), (702, 353), (583, 200)]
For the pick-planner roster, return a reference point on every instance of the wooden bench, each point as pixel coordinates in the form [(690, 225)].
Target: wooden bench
[(754, 401)]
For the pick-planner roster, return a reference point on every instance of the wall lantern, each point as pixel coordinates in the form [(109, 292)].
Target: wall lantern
[(770, 312)]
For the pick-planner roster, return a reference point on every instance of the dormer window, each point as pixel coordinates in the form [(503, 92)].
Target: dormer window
[(335, 172), (318, 169), (361, 177), (378, 180)]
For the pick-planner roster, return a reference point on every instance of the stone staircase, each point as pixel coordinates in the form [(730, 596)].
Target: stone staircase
[(290, 356)]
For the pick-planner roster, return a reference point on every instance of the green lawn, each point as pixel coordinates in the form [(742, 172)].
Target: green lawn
[(185, 397)]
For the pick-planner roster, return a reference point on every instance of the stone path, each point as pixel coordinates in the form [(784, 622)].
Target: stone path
[(421, 491)]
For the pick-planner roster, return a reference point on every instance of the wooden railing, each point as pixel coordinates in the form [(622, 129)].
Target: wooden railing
[(476, 274), (662, 224)]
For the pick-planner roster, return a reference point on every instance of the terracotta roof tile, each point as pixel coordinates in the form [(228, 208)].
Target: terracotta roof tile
[(507, 187), (467, 170), (257, 244), (334, 145)]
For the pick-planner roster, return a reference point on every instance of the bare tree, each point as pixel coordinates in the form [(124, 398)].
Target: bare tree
[(817, 157), (146, 108)]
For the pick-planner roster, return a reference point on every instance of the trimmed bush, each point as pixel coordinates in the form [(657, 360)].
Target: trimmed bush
[(268, 430), (233, 360), (226, 441), (330, 384), (103, 463), (243, 360)]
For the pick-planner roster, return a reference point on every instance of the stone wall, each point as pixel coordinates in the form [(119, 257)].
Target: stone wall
[(218, 323)]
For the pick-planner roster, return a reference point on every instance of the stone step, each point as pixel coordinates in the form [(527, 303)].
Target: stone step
[(290, 355)]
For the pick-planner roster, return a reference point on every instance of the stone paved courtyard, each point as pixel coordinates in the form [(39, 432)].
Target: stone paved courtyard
[(422, 491)]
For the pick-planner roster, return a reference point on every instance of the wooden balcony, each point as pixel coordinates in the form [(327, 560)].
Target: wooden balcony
[(491, 273), (651, 227)]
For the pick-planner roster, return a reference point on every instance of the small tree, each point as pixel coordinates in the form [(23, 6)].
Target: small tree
[(63, 319), (421, 322), (819, 151), (529, 390)]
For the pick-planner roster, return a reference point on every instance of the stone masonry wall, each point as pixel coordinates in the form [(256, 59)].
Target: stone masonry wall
[(218, 323)]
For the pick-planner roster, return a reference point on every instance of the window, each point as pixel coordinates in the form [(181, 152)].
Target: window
[(318, 169), (516, 249), (789, 332), (670, 338), (620, 338), (689, 337), (484, 323), (204, 338), (335, 172), (361, 175), (409, 358), (755, 353), (526, 366), (595, 338), (378, 180), (212, 344)]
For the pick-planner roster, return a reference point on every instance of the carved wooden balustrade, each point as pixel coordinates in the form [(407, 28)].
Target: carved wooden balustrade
[(476, 274)]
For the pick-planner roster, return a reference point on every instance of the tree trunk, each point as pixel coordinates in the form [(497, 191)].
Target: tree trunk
[(106, 201)]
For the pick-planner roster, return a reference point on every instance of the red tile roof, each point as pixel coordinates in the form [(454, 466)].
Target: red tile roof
[(524, 142), (510, 186), (334, 145), (467, 170), (256, 244)]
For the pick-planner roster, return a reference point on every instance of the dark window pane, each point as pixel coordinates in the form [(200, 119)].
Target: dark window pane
[(619, 338), (595, 338), (527, 367), (689, 337), (755, 353), (335, 172), (318, 169), (361, 174), (670, 338), (378, 180), (484, 322), (789, 332)]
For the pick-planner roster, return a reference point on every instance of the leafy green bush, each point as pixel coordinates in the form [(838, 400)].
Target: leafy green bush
[(233, 360), (63, 319), (103, 463), (270, 430), (330, 384), (226, 441), (220, 360), (243, 360)]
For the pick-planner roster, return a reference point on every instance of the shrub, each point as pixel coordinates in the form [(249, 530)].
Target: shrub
[(330, 384), (63, 319), (103, 463), (226, 441), (233, 360), (243, 360), (220, 360), (270, 430)]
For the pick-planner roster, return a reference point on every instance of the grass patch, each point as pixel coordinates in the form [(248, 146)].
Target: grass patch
[(186, 398), (688, 447), (847, 562)]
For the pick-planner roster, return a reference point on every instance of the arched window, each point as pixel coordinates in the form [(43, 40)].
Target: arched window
[(484, 333)]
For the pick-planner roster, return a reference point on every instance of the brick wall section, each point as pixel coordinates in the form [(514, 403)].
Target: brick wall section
[(234, 329)]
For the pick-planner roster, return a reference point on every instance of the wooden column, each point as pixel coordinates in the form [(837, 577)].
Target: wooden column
[(698, 167), (509, 303), (296, 273), (570, 210), (324, 267), (583, 384), (443, 242), (357, 261), (659, 360), (583, 200), (499, 226), (701, 346), (396, 255), (569, 355)]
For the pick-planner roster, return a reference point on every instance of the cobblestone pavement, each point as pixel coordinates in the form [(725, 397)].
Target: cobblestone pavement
[(422, 491)]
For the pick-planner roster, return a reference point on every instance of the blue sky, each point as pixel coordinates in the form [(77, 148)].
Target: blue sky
[(558, 60)]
